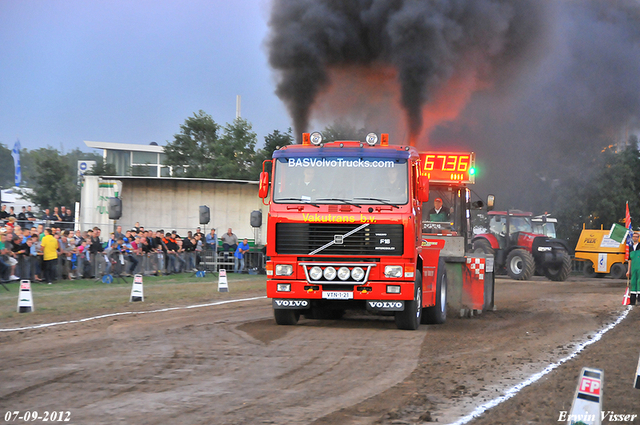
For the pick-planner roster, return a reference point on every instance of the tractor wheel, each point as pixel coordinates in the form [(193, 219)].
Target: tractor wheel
[(409, 319), (520, 264), (559, 273), (437, 314), (588, 270), (483, 246), (618, 271), (286, 317)]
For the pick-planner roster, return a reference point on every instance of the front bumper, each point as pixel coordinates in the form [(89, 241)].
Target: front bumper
[(372, 290)]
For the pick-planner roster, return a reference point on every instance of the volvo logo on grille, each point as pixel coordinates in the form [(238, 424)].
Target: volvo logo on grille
[(338, 239)]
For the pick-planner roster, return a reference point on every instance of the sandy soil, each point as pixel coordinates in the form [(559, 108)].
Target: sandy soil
[(231, 364)]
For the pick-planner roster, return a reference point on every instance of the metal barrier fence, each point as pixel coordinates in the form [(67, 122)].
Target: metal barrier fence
[(117, 263)]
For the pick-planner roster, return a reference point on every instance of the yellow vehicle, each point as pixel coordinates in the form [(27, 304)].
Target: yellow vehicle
[(602, 254)]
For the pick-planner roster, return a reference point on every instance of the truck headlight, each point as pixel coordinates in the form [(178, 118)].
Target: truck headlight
[(343, 273), (284, 269), (284, 287), (371, 139), (393, 289), (315, 138), (329, 273), (357, 273), (315, 273), (393, 271)]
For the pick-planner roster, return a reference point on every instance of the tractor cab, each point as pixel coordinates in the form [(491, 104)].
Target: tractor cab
[(544, 225), (520, 249), (509, 228)]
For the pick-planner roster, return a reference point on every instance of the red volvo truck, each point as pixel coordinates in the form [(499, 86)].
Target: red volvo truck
[(345, 229)]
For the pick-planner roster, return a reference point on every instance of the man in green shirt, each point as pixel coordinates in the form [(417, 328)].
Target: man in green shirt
[(634, 272), (438, 212)]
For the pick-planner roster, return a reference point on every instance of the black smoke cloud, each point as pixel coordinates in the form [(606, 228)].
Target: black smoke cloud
[(427, 42), (578, 93), (561, 78)]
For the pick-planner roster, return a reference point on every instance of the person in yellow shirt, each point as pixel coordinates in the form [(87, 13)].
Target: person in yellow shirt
[(49, 246)]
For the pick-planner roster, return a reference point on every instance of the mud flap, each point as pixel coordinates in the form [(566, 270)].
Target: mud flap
[(280, 304), (373, 305)]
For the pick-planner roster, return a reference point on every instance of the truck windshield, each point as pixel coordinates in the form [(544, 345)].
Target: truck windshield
[(341, 180)]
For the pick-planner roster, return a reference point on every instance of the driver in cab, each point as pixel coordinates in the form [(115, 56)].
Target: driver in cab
[(438, 213)]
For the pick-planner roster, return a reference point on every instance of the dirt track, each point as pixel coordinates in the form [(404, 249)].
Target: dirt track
[(231, 364)]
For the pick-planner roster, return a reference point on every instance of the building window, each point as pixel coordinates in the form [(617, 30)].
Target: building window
[(144, 170), (144, 158), (121, 160)]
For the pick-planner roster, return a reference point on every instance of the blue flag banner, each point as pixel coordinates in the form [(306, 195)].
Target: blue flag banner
[(15, 153)]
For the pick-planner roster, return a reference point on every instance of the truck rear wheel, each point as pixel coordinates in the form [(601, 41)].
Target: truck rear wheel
[(560, 272), (286, 317), (618, 271), (437, 314), (409, 319), (520, 264), (588, 270)]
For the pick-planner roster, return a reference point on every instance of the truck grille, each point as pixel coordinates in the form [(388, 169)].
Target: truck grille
[(305, 238)]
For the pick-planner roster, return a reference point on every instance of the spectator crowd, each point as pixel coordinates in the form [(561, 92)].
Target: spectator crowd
[(48, 249)]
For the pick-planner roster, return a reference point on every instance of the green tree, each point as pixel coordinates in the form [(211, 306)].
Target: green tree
[(596, 194), (234, 154), (102, 168), (54, 181), (7, 171), (272, 142), (615, 182), (193, 149), (343, 130)]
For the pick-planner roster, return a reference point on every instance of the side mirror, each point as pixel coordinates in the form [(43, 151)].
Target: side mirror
[(477, 205), (263, 190), (490, 201), (423, 189)]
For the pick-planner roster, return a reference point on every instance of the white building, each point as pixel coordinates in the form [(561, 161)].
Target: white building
[(133, 159)]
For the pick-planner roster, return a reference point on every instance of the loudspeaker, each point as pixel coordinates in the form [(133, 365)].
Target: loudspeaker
[(205, 215), (256, 218), (115, 208)]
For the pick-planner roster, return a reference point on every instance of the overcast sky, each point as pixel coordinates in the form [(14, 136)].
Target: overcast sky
[(131, 71)]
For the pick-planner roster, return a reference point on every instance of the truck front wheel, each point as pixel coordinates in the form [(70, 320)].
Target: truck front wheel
[(286, 317), (409, 319), (437, 314), (520, 264)]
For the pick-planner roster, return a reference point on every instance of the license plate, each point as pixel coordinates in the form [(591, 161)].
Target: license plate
[(337, 295)]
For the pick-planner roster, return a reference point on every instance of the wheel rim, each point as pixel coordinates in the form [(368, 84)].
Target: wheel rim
[(516, 265), (419, 302)]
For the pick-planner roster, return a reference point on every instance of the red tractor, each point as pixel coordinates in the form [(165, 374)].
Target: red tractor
[(519, 250)]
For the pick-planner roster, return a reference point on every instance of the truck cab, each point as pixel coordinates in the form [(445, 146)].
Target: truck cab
[(346, 230)]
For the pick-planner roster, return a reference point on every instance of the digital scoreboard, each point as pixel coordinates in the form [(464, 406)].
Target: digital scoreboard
[(446, 167)]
